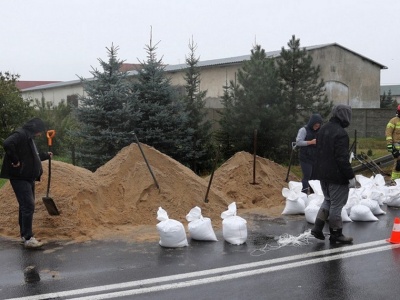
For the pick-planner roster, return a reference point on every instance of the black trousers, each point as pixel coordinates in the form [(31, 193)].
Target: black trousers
[(25, 192)]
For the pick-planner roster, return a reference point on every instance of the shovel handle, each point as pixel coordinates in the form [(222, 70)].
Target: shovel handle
[(50, 135)]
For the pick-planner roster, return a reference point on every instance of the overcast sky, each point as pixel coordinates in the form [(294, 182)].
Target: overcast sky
[(63, 39)]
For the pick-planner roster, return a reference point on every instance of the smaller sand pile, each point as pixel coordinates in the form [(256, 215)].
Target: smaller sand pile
[(235, 179)]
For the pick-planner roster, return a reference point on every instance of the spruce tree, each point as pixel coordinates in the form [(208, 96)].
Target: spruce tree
[(198, 154), (106, 113), (302, 89), (248, 104), (163, 120), (387, 101)]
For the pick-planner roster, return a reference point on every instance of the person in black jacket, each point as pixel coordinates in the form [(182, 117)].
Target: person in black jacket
[(22, 166), (334, 171), (306, 141)]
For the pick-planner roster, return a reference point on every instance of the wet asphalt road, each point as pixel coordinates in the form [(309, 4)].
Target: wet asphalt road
[(369, 268)]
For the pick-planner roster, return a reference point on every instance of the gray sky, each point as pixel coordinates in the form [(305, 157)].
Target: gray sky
[(63, 39)]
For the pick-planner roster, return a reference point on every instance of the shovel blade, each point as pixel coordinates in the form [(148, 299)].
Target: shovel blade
[(50, 206)]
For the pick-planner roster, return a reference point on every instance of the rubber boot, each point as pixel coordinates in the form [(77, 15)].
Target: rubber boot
[(317, 230), (319, 224), (338, 237)]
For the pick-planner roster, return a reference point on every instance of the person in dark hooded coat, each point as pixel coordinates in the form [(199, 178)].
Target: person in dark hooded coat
[(306, 141), (22, 165), (333, 170)]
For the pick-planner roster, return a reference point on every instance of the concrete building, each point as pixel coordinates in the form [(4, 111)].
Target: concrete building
[(350, 78)]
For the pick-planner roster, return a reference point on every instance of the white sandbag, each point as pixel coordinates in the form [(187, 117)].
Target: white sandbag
[(311, 212), (393, 196), (379, 180), (290, 194), (315, 199), (361, 212), (316, 186), (365, 181), (200, 228), (345, 216), (294, 207), (234, 228), (172, 233), (295, 186), (373, 206), (353, 199)]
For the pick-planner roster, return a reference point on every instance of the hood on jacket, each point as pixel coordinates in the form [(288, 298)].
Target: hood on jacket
[(315, 118), (342, 112), (34, 126)]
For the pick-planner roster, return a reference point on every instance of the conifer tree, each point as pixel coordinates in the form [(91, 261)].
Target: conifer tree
[(302, 89), (200, 144), (163, 120), (107, 113), (248, 105), (387, 101)]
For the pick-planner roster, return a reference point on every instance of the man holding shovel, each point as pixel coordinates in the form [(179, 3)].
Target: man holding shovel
[(22, 166)]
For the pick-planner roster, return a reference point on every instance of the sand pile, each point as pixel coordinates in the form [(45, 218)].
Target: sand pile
[(120, 199)]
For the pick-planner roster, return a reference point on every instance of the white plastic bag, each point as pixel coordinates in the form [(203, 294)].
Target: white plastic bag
[(361, 212), (373, 206), (200, 228), (295, 199), (234, 228), (172, 233), (311, 212)]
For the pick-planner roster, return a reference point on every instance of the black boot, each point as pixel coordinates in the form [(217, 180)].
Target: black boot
[(338, 237), (319, 224), (317, 230)]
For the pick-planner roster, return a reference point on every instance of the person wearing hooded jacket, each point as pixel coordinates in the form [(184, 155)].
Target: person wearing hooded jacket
[(22, 165), (334, 171), (306, 141)]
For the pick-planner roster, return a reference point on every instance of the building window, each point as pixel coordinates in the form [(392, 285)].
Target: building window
[(72, 100)]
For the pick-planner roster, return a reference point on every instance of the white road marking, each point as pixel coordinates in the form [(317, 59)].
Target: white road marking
[(305, 259)]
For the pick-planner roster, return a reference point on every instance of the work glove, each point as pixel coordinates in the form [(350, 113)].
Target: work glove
[(352, 183), (395, 153), (389, 148)]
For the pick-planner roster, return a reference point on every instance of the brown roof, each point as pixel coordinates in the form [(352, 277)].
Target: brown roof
[(129, 67)]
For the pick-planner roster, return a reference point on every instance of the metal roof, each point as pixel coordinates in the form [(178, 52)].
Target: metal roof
[(206, 63)]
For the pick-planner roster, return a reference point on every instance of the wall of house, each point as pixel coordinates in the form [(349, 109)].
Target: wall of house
[(370, 122), (55, 95), (213, 79), (349, 78)]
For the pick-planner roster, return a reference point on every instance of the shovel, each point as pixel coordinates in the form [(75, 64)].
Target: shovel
[(48, 201), (145, 159)]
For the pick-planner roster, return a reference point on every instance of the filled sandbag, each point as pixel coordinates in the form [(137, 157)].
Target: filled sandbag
[(373, 206), (311, 212), (172, 232), (316, 186), (200, 228), (361, 212), (345, 216), (234, 228), (393, 196), (295, 199)]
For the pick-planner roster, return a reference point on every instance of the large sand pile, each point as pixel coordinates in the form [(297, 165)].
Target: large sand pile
[(120, 199)]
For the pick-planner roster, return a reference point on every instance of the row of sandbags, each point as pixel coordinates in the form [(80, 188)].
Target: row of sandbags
[(172, 232), (363, 203)]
